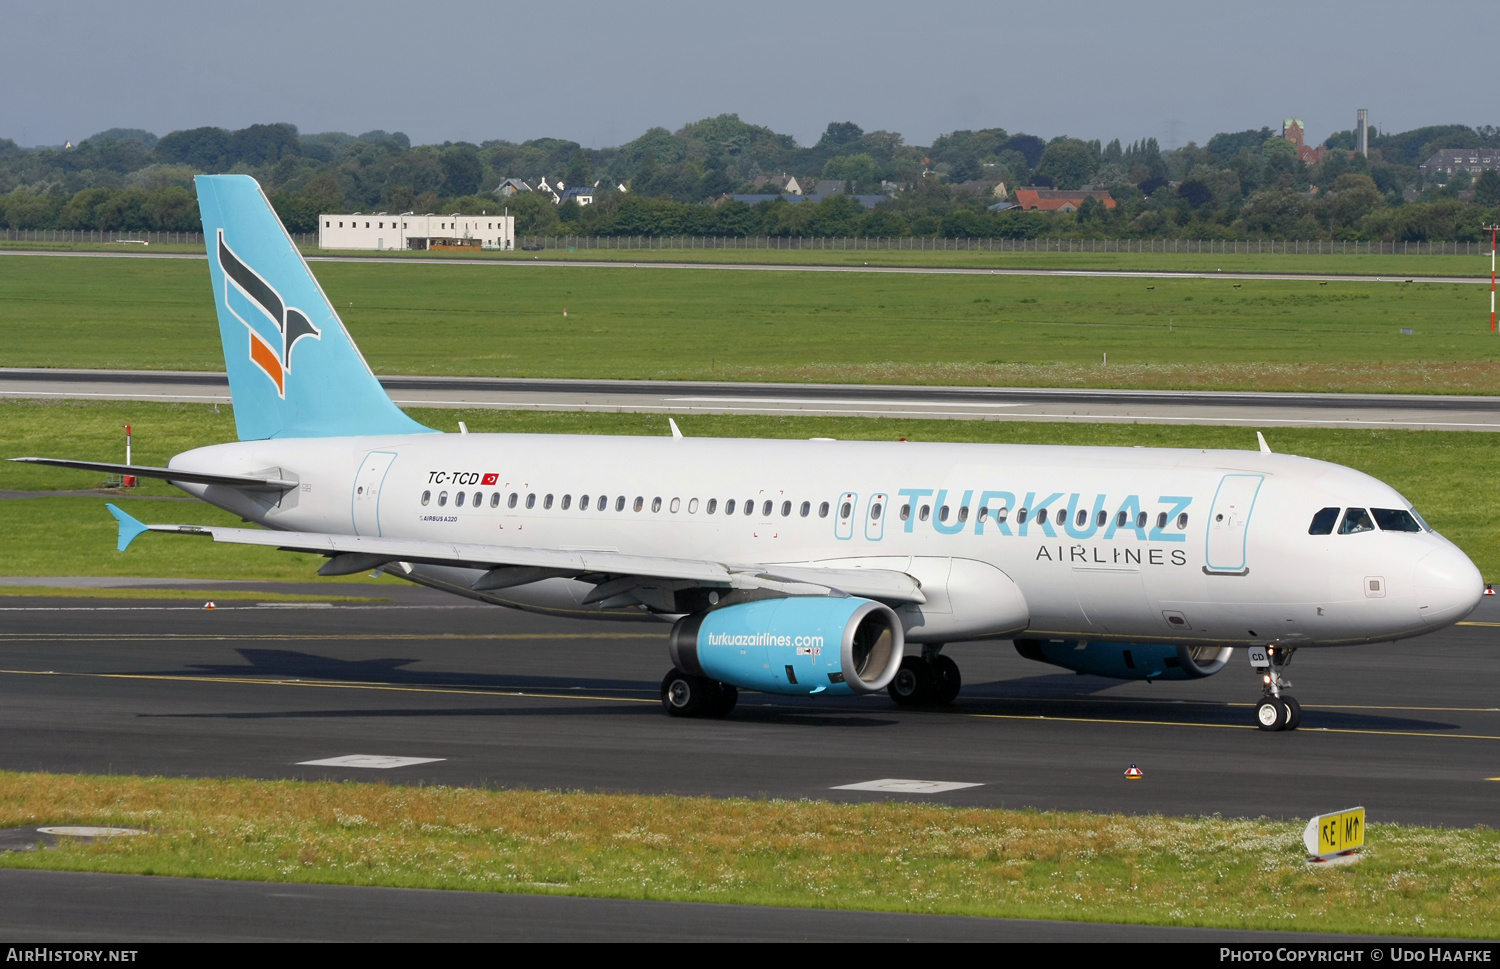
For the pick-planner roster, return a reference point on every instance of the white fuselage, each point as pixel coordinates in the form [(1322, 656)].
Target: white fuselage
[(1224, 555)]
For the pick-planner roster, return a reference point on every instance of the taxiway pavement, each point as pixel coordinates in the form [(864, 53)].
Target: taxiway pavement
[(1411, 730), (1249, 410)]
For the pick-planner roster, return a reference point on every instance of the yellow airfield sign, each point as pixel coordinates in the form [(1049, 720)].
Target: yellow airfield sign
[(1333, 834)]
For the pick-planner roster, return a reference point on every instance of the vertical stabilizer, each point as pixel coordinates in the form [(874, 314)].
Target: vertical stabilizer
[(293, 371)]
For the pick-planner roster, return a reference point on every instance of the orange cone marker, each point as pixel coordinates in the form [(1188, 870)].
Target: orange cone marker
[(1489, 590), (208, 605), (1134, 774)]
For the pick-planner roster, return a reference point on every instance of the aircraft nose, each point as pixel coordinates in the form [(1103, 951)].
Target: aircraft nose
[(1448, 586)]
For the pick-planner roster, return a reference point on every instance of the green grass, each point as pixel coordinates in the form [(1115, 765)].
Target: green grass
[(1226, 873), (706, 324), (1440, 471)]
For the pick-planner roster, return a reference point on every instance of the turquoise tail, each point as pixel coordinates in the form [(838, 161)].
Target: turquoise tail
[(293, 370)]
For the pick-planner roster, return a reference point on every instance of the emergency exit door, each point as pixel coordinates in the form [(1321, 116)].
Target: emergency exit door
[(367, 486)]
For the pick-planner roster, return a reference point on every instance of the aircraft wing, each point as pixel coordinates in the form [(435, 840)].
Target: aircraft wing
[(508, 565), (250, 482)]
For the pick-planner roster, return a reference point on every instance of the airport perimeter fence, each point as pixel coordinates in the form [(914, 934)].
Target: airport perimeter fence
[(1311, 247), (302, 239)]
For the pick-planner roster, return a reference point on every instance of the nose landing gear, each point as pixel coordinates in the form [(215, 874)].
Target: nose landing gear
[(1277, 710)]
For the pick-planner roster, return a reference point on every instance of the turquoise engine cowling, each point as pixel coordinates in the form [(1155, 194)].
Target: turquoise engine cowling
[(1128, 661), (797, 646)]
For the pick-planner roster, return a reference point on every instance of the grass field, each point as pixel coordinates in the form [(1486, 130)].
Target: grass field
[(681, 324), (1403, 265), (886, 857), (1440, 471)]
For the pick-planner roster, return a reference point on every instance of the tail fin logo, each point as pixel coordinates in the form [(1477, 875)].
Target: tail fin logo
[(274, 327)]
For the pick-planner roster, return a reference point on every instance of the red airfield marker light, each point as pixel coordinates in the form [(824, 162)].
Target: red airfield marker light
[(1492, 229), (127, 480)]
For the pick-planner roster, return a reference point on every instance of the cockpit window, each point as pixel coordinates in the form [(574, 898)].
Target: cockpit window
[(1356, 520), (1395, 520), (1323, 522), (1420, 520)]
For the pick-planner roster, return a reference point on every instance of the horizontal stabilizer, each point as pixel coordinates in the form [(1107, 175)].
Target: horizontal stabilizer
[(130, 526), (241, 481)]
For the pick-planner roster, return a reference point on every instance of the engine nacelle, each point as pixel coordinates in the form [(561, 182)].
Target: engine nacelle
[(797, 645), (1128, 661)]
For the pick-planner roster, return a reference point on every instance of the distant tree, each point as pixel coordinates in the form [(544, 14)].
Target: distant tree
[(206, 149), (1030, 147), (578, 169), (1487, 188), (462, 169), (534, 212), (839, 134), (261, 144), (1195, 193)]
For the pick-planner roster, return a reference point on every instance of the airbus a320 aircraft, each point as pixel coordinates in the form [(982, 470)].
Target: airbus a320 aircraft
[(798, 567)]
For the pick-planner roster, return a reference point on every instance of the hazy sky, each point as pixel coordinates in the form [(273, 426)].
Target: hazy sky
[(602, 73)]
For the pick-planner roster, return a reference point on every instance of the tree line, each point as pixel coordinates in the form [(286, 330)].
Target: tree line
[(1244, 184)]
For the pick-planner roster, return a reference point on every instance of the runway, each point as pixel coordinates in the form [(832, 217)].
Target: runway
[(1249, 410), (499, 698), (540, 261)]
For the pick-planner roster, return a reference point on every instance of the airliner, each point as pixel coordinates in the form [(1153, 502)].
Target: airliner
[(807, 567)]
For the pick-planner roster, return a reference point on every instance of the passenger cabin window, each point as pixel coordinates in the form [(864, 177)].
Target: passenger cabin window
[(511, 501), (1082, 518), (1356, 520), (495, 500), (566, 502), (806, 508), (1182, 521), (765, 510), (1041, 516), (728, 507), (905, 512), (1395, 520), (655, 505), (478, 498), (786, 509), (1121, 519), (1020, 516), (442, 498), (845, 510), (1323, 522), (530, 501), (943, 513), (875, 512), (547, 502), (750, 507), (458, 500), (713, 503), (583, 503), (603, 503), (823, 510), (1161, 520), (923, 512), (1103, 519), (1140, 520), (963, 513), (426, 497), (639, 502), (620, 503)]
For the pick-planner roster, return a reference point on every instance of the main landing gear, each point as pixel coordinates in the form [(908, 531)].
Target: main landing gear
[(685, 695), (929, 680), (1276, 710)]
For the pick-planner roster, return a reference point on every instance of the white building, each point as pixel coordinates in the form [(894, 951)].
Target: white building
[(381, 230)]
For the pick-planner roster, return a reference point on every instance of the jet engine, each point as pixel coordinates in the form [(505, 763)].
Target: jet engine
[(797, 645), (1128, 661)]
